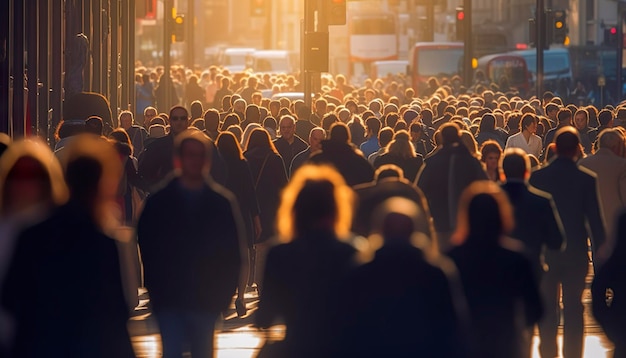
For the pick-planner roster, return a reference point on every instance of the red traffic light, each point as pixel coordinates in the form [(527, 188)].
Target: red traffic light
[(613, 30), (460, 15)]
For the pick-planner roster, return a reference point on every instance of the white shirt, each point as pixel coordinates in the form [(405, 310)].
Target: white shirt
[(533, 146)]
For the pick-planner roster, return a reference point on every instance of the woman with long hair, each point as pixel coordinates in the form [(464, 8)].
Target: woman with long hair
[(31, 185), (71, 258), (303, 274), (240, 183), (401, 152), (502, 294), (490, 153), (269, 177)]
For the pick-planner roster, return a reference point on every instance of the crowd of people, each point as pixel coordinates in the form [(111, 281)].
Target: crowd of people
[(379, 222)]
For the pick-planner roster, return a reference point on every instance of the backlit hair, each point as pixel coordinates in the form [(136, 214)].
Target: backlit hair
[(301, 199)]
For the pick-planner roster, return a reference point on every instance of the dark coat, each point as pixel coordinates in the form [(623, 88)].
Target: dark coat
[(353, 167), (303, 128), (410, 166), (503, 298), (191, 247), (300, 285), (156, 163), (372, 194), (241, 184), (288, 151), (537, 222), (444, 176), (575, 194), (268, 184), (64, 288), (401, 305)]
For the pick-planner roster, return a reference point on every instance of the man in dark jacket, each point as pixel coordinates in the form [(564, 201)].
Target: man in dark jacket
[(289, 144), (444, 176), (537, 222), (575, 193), (191, 239), (340, 153), (156, 161)]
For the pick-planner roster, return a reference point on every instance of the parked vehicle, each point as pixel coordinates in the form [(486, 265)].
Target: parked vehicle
[(512, 67)]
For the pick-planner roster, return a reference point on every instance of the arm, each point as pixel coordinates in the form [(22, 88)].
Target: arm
[(594, 215)]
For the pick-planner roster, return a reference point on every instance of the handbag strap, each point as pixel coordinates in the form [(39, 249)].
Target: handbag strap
[(256, 183)]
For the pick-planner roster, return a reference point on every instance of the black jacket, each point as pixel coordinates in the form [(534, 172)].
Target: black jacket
[(269, 180), (353, 167), (443, 177), (64, 288), (537, 222), (575, 194), (191, 244)]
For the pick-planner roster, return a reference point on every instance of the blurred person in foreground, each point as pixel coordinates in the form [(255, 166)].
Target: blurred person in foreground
[(501, 290), (407, 301), (64, 285), (609, 289), (191, 239), (303, 274), (32, 186)]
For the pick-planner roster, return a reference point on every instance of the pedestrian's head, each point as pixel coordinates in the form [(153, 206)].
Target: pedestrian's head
[(92, 174), (287, 127), (179, 119), (126, 119), (192, 157), (316, 201), (567, 142), (613, 140), (228, 146), (30, 176), (340, 133), (316, 136), (196, 109), (450, 134), (400, 222), (515, 164), (253, 113), (484, 215), (605, 118), (564, 116), (581, 119), (211, 119), (260, 139)]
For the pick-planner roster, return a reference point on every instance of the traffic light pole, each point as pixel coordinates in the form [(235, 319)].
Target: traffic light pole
[(309, 26), (541, 44), (621, 13), (167, 45), (468, 44)]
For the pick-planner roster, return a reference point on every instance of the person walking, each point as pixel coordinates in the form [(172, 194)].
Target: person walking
[(191, 238)]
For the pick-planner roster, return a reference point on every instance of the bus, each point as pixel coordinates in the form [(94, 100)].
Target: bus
[(434, 59), (372, 37), (556, 66), (512, 67)]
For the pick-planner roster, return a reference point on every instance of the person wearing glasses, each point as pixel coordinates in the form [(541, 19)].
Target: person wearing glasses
[(156, 161)]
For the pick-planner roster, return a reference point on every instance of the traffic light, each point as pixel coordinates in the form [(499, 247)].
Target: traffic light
[(610, 36), (559, 26), (178, 28), (257, 8), (336, 12), (460, 24)]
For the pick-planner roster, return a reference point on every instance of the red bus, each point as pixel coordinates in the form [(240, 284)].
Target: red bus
[(434, 59)]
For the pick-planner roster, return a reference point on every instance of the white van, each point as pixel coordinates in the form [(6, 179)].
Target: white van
[(274, 61), (236, 59)]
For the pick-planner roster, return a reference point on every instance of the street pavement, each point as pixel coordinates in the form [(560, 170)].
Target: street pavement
[(237, 338)]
